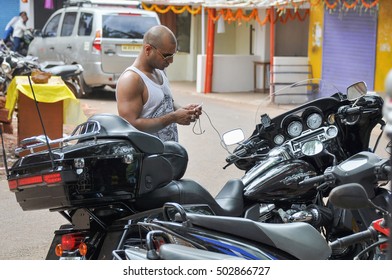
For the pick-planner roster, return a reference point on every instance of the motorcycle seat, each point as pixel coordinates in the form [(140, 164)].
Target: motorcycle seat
[(301, 240), (177, 156), (63, 70), (229, 201)]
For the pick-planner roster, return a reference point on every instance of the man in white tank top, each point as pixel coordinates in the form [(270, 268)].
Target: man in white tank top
[(143, 94)]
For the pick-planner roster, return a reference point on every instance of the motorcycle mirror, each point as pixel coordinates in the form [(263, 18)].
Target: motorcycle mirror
[(233, 136), (356, 90), (312, 148), (349, 196)]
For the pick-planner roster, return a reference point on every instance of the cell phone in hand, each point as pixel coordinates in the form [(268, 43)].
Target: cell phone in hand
[(199, 106)]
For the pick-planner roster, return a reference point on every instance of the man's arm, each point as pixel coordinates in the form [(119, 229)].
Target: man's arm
[(130, 93)]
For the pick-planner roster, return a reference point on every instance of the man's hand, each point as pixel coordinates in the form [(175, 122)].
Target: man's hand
[(196, 108), (185, 116)]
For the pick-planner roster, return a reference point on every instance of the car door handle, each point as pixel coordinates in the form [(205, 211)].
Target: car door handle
[(51, 48), (109, 52), (69, 47)]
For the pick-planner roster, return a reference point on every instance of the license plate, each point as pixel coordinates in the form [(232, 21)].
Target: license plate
[(131, 48), (70, 258)]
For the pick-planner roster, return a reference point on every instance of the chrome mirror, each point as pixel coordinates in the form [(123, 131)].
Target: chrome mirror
[(233, 137), (356, 90)]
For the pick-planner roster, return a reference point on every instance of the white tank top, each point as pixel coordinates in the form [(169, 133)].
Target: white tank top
[(159, 103)]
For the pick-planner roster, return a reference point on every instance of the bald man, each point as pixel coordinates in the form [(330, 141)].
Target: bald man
[(143, 93)]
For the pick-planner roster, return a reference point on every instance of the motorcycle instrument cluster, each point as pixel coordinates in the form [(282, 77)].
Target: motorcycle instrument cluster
[(279, 139), (314, 120), (295, 128), (311, 118)]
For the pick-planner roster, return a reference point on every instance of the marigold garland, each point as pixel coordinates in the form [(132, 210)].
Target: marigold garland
[(174, 9), (371, 5), (350, 6), (331, 6), (281, 9), (230, 16)]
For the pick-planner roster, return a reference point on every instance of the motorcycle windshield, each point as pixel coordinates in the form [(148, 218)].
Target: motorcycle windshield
[(301, 92)]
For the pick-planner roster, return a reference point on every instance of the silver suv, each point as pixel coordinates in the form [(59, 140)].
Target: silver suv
[(104, 39)]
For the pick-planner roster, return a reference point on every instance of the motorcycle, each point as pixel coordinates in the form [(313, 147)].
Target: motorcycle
[(354, 196), (14, 64), (107, 173), (179, 234)]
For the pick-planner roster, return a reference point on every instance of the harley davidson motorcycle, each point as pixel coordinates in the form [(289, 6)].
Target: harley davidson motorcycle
[(107, 173), (180, 235)]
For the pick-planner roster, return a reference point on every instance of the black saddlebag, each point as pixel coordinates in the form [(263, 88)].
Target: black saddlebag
[(88, 174)]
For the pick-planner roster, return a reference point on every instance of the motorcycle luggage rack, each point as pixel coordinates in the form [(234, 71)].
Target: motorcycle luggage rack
[(82, 131)]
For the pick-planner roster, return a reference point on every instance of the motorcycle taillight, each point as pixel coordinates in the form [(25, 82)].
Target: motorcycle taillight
[(50, 178), (70, 242)]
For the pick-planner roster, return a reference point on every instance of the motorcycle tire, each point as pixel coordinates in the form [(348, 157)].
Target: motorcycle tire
[(72, 88)]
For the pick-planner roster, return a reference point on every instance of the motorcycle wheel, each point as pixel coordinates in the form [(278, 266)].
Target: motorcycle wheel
[(72, 88)]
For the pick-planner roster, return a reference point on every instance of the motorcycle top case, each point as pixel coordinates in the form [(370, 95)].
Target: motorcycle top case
[(103, 170)]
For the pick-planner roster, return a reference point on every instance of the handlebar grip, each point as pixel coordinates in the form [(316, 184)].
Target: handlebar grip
[(368, 234), (353, 110), (312, 180), (238, 154)]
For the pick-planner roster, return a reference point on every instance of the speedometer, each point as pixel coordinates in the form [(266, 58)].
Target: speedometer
[(314, 120), (294, 128), (279, 139)]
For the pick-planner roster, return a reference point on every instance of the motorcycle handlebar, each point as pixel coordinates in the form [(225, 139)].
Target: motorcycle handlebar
[(312, 180), (369, 234), (347, 110), (238, 154), (353, 111), (247, 148)]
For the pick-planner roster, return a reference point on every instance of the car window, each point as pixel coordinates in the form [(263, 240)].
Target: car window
[(52, 26), (68, 24), (85, 24), (127, 26)]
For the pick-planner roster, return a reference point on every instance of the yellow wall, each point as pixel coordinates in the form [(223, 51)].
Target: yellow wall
[(384, 44), (315, 53)]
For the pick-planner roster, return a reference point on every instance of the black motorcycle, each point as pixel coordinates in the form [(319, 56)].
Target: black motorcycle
[(179, 234), (107, 173)]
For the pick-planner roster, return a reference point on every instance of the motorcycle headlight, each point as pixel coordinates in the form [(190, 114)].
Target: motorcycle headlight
[(6, 67)]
